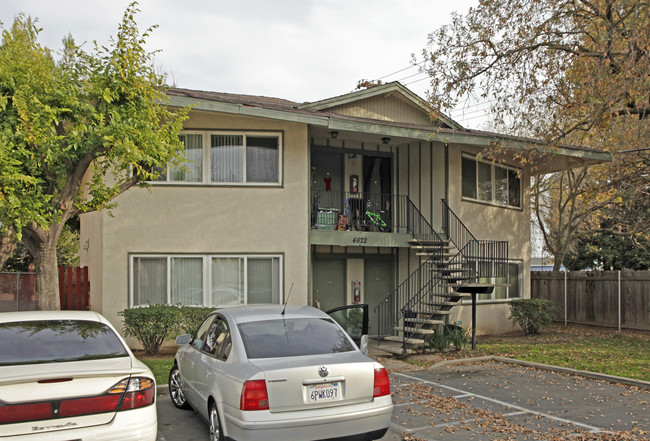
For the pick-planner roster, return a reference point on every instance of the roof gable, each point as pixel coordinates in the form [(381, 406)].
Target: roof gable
[(387, 102)]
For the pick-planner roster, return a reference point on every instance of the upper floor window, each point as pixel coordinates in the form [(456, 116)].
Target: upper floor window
[(223, 158), (487, 182)]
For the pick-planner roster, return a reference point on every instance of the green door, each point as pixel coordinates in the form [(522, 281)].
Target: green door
[(329, 283), (379, 281)]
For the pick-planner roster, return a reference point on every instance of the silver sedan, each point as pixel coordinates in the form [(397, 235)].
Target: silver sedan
[(276, 373)]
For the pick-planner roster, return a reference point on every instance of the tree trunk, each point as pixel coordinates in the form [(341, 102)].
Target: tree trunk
[(42, 245), (47, 279), (557, 264)]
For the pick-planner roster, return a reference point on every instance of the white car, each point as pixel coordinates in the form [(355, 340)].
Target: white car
[(275, 373), (68, 375)]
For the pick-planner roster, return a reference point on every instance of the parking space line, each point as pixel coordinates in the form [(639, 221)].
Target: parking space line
[(503, 403), (515, 413), (403, 404)]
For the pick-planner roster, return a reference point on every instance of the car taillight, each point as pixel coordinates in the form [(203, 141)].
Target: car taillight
[(131, 393), (382, 384), (25, 412), (139, 393), (254, 396), (86, 406)]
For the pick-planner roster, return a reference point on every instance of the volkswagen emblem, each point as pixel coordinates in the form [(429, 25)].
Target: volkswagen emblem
[(323, 372)]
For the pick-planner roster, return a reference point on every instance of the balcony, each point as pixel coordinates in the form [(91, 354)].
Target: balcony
[(365, 219)]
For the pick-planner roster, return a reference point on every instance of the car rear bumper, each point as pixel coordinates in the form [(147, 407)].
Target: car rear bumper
[(368, 421), (131, 425)]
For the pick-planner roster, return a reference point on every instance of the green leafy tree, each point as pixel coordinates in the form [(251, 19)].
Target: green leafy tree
[(611, 252), (562, 71), (75, 133)]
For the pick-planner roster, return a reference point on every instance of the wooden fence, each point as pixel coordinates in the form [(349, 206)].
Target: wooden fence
[(611, 298), (74, 288), (18, 290)]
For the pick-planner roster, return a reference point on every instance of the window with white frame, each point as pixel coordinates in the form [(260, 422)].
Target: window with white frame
[(226, 158), (509, 288), (492, 183), (209, 280)]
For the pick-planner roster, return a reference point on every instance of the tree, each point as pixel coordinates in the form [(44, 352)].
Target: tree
[(603, 249), (562, 71), (76, 133)]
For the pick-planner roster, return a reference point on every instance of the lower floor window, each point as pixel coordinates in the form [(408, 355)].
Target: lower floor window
[(506, 288), (209, 280)]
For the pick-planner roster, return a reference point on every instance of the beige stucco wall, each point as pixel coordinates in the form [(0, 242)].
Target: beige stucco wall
[(205, 219), (489, 222)]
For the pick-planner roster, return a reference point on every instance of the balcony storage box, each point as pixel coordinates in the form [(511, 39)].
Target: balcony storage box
[(327, 218)]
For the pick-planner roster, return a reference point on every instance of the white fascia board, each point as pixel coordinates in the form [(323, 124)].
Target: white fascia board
[(240, 109), (333, 123)]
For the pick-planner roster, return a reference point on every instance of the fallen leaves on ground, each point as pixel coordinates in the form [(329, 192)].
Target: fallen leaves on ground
[(454, 416)]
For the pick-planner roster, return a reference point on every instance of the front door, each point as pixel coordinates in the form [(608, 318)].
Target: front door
[(379, 282), (329, 283)]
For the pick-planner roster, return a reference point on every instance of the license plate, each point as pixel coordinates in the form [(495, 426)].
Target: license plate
[(320, 393)]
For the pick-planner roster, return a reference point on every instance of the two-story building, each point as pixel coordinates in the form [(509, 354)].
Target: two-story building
[(356, 198)]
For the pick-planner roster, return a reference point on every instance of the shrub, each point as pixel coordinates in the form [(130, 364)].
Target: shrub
[(151, 325), (532, 314), (438, 341), (458, 336), (191, 318), (446, 336)]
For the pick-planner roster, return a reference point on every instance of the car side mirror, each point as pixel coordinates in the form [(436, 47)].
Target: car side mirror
[(183, 339)]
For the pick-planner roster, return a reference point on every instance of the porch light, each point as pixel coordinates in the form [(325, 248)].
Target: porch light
[(334, 134), (385, 139)]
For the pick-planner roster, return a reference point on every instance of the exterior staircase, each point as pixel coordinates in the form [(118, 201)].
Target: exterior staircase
[(454, 266)]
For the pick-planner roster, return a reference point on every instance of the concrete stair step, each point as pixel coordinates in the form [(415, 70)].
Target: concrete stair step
[(409, 341), (429, 312), (394, 348), (441, 303), (424, 321), (460, 295), (414, 330)]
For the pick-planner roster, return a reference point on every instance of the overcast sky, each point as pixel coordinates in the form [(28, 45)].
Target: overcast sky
[(301, 50)]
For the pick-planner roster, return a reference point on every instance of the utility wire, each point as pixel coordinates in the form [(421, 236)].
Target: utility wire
[(410, 76), (461, 113), (401, 70)]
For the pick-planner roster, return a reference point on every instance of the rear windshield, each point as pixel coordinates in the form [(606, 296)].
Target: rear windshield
[(52, 341), (293, 337)]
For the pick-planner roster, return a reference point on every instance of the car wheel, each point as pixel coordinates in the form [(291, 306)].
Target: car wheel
[(216, 434), (175, 389)]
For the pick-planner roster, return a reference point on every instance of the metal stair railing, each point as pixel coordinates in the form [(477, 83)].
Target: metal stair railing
[(490, 257), (390, 309), (435, 281)]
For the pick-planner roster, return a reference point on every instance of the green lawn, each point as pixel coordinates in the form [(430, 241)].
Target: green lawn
[(606, 351), (160, 365), (616, 355), (624, 354)]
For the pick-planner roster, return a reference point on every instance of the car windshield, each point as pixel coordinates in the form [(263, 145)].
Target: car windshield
[(293, 337), (52, 341)]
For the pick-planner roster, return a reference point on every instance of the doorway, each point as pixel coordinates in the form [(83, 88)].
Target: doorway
[(329, 283)]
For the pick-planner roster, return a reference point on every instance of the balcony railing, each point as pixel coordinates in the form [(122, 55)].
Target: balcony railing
[(378, 212)]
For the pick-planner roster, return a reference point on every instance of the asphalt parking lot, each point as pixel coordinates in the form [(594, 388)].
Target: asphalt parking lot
[(485, 401)]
